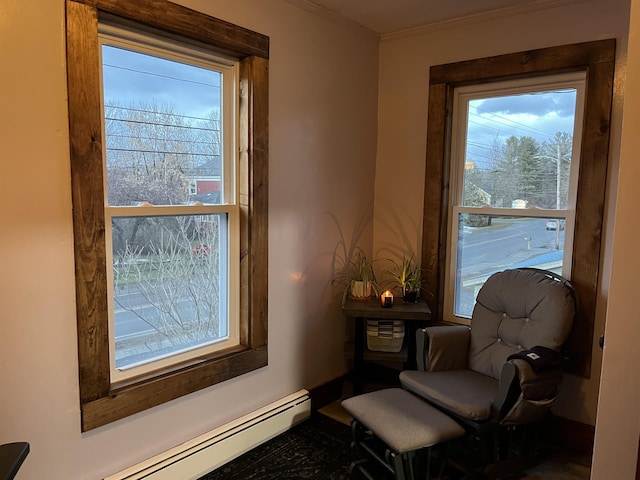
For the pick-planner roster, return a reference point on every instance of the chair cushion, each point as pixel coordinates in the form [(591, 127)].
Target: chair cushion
[(466, 393), (402, 421), (517, 310)]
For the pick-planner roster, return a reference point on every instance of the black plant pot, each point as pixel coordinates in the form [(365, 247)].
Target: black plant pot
[(411, 297)]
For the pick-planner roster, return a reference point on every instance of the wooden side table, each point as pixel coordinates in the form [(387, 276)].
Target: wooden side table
[(360, 310)]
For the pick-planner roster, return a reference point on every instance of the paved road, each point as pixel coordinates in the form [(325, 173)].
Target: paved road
[(505, 243), (132, 307)]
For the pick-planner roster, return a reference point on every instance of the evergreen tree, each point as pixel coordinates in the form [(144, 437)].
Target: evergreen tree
[(556, 155), (520, 167)]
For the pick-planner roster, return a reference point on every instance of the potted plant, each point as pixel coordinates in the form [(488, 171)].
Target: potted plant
[(358, 277), (362, 278), (406, 276)]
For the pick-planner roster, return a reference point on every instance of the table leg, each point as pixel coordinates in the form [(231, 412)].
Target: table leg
[(410, 330), (358, 353)]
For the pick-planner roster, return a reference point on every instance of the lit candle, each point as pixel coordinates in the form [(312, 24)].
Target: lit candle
[(387, 299)]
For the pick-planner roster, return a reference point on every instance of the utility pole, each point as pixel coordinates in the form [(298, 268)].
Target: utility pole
[(558, 161)]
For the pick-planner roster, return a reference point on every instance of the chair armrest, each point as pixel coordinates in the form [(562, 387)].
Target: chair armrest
[(442, 348), (508, 390), (525, 395)]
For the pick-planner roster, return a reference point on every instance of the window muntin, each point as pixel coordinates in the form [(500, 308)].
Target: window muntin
[(173, 286), (506, 184)]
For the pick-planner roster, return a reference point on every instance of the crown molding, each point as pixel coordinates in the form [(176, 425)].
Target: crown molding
[(495, 14), (535, 6)]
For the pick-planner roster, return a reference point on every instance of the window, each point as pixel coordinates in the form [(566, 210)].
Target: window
[(170, 279), (578, 223), (513, 181), (169, 114)]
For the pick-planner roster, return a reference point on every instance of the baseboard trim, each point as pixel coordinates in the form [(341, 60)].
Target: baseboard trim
[(326, 393), (570, 436)]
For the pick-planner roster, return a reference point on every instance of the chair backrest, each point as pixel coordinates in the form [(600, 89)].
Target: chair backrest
[(516, 310)]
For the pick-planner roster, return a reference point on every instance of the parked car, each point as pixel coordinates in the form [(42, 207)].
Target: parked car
[(552, 224)]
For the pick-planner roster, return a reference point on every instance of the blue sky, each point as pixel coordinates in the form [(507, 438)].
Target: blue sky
[(130, 76), (540, 116)]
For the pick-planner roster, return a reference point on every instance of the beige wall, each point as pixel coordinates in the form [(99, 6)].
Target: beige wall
[(618, 421), (323, 122), (323, 128), (404, 73)]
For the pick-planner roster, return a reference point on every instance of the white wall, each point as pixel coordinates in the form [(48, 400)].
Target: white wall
[(404, 74), (323, 101), (618, 421)]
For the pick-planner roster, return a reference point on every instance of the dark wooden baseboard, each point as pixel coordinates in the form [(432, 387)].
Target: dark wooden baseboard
[(326, 393), (574, 438)]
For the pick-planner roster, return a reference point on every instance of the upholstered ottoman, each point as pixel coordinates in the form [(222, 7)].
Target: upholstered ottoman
[(403, 428)]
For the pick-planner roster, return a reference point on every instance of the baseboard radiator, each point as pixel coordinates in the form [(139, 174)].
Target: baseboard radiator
[(199, 456)]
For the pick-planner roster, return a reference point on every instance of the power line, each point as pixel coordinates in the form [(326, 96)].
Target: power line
[(132, 150), (140, 122), (509, 121), (111, 135), (160, 75), (530, 131), (131, 109)]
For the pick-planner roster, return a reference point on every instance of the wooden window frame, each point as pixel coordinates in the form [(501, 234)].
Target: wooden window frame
[(597, 59), (101, 401)]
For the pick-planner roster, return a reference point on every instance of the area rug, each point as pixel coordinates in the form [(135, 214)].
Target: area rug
[(318, 448)]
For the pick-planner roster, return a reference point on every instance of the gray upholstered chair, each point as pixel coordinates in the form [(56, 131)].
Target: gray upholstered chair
[(504, 371)]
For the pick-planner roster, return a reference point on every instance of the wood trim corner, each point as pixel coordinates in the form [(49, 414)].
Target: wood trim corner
[(102, 402)]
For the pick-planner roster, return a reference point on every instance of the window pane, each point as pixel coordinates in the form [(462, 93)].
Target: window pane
[(518, 150), (162, 123), (488, 244), (169, 285)]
